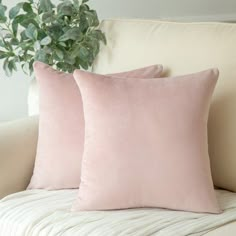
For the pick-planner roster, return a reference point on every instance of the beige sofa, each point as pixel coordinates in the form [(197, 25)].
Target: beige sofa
[(181, 48)]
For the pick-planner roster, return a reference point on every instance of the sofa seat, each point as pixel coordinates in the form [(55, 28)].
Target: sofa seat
[(40, 212)]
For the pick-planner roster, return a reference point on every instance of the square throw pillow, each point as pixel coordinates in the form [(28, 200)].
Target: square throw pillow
[(146, 143), (61, 127)]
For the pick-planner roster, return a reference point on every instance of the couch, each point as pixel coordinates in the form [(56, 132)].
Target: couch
[(182, 48)]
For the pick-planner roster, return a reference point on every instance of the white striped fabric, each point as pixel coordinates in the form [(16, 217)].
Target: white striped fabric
[(47, 213)]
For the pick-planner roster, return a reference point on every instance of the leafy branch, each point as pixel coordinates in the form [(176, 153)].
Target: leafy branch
[(64, 36)]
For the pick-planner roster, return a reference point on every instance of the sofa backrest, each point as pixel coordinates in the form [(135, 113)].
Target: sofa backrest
[(184, 48)]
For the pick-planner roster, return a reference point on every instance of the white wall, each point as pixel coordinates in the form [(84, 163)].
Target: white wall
[(190, 9), (13, 91), (13, 96)]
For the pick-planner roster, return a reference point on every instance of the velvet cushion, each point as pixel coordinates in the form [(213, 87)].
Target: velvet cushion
[(183, 47), (146, 143), (61, 127)]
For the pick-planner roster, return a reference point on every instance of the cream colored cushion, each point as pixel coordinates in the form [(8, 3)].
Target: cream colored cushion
[(184, 48), (18, 141)]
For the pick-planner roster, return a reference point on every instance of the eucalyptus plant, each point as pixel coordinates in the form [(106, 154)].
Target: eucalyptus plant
[(63, 35)]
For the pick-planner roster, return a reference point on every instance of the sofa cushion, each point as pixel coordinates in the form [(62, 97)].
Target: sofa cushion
[(184, 48), (146, 142), (61, 127), (18, 142)]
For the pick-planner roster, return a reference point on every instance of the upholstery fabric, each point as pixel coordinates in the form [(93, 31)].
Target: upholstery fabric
[(146, 142), (18, 141), (61, 127)]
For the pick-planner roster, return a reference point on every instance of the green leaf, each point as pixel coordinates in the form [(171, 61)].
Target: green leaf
[(40, 55), (27, 7), (69, 59), (83, 53), (45, 5), (23, 37), (46, 41), (92, 18), (2, 44), (48, 17), (84, 1), (75, 50), (25, 19), (31, 69), (98, 34), (12, 65), (55, 31), (14, 11), (59, 53), (18, 19), (95, 46), (47, 50), (8, 45), (74, 34), (6, 67), (63, 66), (83, 8), (3, 9), (3, 19), (84, 64), (41, 34), (25, 23), (14, 41), (83, 23), (62, 44), (31, 31), (29, 20), (60, 66), (65, 9), (25, 68), (14, 26), (3, 54)]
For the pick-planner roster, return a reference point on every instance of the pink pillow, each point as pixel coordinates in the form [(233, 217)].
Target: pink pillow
[(61, 127), (146, 143)]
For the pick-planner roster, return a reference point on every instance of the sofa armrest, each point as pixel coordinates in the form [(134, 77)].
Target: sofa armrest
[(18, 141)]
